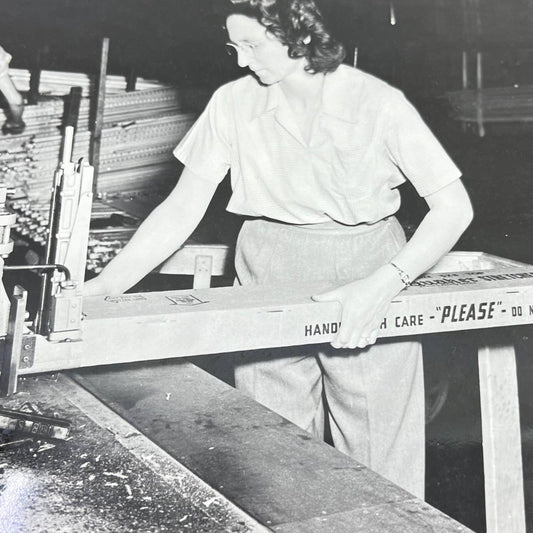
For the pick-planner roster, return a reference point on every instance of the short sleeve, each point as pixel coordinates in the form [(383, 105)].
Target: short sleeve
[(5, 59), (206, 148), (415, 150)]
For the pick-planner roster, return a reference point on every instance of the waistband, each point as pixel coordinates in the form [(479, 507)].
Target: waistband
[(331, 226)]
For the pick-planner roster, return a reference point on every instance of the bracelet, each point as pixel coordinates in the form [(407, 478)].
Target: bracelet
[(404, 276)]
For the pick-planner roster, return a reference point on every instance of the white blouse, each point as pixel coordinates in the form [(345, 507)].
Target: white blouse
[(367, 140)]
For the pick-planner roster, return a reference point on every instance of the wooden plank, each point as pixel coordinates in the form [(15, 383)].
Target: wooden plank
[(502, 449), (183, 261), (479, 98), (273, 470), (403, 517), (203, 269), (98, 120), (461, 261), (144, 326)]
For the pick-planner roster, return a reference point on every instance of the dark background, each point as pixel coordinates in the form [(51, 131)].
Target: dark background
[(180, 41)]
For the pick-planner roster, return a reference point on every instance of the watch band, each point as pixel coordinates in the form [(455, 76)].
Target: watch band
[(404, 276)]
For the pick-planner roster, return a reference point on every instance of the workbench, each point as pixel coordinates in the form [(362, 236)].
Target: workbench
[(167, 447)]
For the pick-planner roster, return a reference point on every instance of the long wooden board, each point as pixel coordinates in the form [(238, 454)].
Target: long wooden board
[(157, 325), (269, 468)]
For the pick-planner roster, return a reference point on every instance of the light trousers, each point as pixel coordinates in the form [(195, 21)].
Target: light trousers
[(374, 397)]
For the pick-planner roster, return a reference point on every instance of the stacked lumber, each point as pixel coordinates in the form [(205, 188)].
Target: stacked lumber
[(140, 130), (496, 104), (111, 229), (59, 83)]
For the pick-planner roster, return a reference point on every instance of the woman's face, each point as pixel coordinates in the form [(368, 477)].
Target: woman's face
[(260, 51)]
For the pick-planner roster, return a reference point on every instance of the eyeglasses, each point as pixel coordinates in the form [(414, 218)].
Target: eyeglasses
[(245, 48)]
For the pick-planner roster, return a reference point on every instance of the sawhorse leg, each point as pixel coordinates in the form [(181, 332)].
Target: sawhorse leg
[(203, 270), (500, 422)]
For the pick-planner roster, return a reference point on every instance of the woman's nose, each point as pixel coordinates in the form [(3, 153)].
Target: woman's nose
[(243, 59)]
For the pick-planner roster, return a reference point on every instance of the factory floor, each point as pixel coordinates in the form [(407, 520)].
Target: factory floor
[(101, 475)]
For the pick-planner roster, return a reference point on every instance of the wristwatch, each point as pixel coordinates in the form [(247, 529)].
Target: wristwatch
[(404, 276)]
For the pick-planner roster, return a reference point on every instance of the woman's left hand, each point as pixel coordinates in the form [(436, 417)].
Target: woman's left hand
[(364, 305)]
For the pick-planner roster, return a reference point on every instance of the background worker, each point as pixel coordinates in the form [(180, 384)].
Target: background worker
[(317, 150), (15, 102)]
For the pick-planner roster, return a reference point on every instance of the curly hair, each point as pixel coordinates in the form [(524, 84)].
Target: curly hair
[(297, 24)]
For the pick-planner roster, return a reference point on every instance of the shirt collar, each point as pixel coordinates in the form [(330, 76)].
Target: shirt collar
[(337, 97), (269, 102)]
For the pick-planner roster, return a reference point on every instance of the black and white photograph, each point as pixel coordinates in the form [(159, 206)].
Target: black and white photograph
[(266, 266)]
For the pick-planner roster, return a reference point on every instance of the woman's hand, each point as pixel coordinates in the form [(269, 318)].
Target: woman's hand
[(364, 305), (162, 232), (365, 302)]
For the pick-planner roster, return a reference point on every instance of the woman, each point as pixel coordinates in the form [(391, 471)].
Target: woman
[(316, 151)]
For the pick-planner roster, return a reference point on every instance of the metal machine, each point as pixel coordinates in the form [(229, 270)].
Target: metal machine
[(59, 314)]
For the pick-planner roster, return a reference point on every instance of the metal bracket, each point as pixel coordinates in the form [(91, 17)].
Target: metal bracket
[(27, 353), (13, 345)]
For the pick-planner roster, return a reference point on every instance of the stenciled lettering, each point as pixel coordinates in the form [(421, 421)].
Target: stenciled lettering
[(503, 277), (325, 328), (409, 320), (468, 312)]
